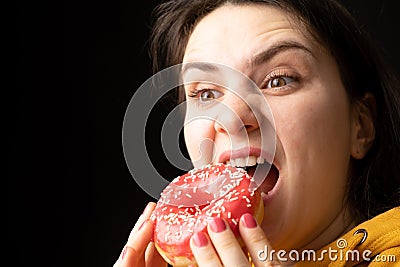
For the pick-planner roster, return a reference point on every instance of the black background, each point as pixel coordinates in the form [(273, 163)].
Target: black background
[(71, 199)]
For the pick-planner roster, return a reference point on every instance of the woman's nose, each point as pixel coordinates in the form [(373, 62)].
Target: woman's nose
[(236, 117)]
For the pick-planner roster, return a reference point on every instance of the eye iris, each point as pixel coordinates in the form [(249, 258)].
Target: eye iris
[(207, 95), (278, 82)]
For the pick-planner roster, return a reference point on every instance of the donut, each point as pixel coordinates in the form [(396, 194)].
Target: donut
[(190, 201)]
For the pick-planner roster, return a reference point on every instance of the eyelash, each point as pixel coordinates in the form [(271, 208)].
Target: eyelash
[(193, 93), (196, 94), (275, 75)]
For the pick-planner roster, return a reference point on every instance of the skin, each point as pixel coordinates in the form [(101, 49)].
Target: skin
[(317, 132)]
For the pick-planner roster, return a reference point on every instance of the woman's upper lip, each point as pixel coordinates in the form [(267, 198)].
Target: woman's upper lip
[(244, 152)]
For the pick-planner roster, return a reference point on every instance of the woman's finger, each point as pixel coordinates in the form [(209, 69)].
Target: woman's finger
[(256, 242), (203, 251), (153, 258), (129, 257), (138, 240), (133, 253), (144, 216), (226, 244)]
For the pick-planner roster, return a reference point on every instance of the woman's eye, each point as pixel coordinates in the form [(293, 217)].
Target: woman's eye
[(279, 82), (207, 95)]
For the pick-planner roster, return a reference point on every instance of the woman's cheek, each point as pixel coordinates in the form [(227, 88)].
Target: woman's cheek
[(314, 135)]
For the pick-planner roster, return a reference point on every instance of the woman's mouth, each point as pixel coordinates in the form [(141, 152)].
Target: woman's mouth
[(269, 181), (266, 175)]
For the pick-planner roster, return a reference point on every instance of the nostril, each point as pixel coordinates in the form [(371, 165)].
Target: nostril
[(219, 128), (249, 127)]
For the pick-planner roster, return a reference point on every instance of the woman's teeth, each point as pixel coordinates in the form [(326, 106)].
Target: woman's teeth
[(246, 162)]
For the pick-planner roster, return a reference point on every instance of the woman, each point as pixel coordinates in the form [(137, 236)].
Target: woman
[(336, 110)]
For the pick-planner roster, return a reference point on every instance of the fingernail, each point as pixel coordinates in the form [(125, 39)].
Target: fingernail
[(123, 252), (200, 239), (146, 208), (217, 225), (249, 221), (143, 223)]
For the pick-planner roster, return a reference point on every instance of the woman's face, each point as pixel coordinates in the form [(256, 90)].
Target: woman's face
[(300, 81)]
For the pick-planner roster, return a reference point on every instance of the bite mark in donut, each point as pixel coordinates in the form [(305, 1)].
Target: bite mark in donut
[(190, 201)]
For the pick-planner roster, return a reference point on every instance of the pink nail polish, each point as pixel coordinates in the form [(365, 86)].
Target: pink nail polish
[(249, 221), (200, 239), (217, 225), (141, 226), (146, 208), (123, 253)]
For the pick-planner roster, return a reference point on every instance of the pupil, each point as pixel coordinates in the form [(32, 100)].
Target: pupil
[(207, 95), (278, 82)]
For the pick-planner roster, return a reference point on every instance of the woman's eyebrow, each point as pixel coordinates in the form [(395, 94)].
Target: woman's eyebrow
[(202, 66), (256, 60), (275, 49)]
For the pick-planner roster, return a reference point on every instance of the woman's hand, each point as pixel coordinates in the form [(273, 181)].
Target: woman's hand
[(227, 250), (139, 251)]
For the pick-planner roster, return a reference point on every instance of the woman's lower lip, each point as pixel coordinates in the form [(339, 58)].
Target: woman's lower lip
[(266, 197)]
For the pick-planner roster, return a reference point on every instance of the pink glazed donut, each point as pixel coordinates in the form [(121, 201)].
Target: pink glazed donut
[(190, 202)]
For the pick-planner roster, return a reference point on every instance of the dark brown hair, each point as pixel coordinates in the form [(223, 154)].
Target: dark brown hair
[(374, 183)]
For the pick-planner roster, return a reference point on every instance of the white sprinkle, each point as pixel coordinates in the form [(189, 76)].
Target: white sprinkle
[(188, 195), (229, 214), (166, 236), (178, 234), (167, 193), (223, 181)]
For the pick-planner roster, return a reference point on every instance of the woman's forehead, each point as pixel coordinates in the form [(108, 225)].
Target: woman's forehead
[(238, 32)]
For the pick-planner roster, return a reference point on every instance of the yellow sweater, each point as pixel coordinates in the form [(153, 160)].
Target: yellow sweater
[(374, 243)]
